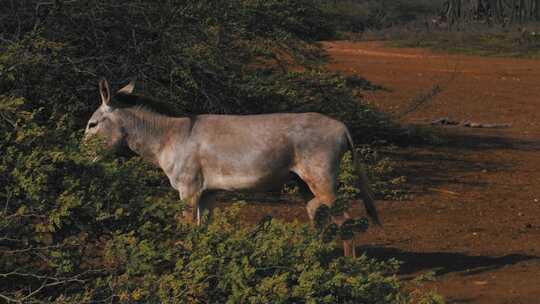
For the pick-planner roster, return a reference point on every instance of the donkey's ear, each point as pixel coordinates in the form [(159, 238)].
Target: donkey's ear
[(105, 91), (128, 89)]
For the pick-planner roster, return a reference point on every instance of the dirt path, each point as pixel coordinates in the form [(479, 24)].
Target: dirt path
[(475, 216)]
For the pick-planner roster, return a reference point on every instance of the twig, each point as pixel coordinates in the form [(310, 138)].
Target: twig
[(30, 249), (426, 97), (8, 197), (443, 191), (5, 238), (8, 299), (55, 282), (41, 277), (420, 100), (7, 119)]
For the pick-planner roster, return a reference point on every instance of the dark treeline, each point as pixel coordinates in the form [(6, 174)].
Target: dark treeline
[(359, 15), (491, 11)]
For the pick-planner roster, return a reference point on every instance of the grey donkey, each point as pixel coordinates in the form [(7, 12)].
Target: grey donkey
[(230, 152)]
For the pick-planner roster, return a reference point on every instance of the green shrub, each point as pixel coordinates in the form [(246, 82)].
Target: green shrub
[(272, 262)]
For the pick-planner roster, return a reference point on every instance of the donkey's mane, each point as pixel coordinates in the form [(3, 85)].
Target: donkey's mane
[(123, 100)]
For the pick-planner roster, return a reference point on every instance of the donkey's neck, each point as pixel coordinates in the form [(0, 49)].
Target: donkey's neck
[(149, 134)]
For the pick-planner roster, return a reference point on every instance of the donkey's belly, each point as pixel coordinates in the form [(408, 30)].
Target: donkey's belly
[(267, 180), (246, 164)]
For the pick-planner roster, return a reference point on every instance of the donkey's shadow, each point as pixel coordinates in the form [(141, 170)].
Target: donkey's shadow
[(443, 262)]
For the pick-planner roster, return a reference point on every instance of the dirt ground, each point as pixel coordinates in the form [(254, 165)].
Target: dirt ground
[(474, 218), (475, 215)]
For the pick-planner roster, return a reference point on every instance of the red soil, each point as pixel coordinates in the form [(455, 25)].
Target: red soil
[(475, 215), (474, 218)]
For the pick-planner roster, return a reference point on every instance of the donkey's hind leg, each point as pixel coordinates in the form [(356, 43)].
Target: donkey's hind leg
[(312, 207), (324, 188)]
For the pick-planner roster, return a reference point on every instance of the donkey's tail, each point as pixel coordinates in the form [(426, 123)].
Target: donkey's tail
[(363, 182)]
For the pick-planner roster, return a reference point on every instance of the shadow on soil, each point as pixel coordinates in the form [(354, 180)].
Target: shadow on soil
[(464, 138), (444, 262), (456, 155), (483, 139), (434, 166)]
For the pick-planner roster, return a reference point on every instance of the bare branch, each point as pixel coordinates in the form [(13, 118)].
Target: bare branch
[(8, 299)]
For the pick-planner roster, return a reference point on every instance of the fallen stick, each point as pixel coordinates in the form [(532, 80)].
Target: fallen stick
[(443, 191), (444, 121), (468, 124)]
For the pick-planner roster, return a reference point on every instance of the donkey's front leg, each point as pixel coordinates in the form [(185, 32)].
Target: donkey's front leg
[(189, 183), (192, 212)]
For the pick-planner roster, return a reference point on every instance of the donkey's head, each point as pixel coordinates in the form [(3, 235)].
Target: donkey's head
[(105, 122)]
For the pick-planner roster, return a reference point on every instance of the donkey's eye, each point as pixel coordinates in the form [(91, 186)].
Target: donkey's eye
[(92, 124)]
